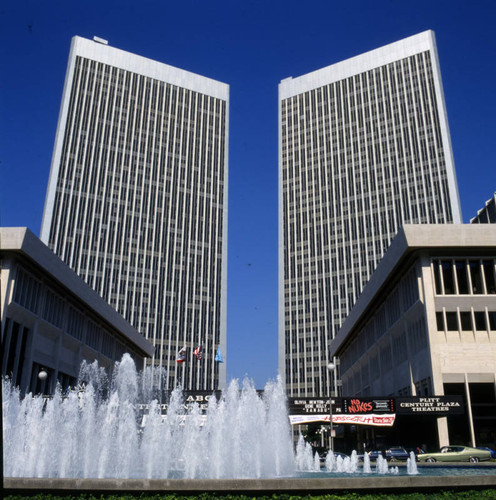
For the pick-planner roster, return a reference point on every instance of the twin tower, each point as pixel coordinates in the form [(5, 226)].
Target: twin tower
[(137, 195)]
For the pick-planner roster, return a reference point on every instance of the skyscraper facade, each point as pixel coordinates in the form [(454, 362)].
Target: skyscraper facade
[(137, 200), (364, 147), (487, 214)]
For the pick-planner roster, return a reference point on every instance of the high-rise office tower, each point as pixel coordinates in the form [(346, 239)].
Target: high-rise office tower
[(137, 199), (364, 147)]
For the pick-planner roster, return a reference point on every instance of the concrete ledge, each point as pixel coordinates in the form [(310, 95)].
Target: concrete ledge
[(286, 485)]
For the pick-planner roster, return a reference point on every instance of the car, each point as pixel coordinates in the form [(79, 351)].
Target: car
[(372, 454), (455, 454), (397, 453), (337, 454), (490, 450)]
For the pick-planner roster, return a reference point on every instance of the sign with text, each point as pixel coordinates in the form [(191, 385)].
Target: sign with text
[(433, 405), (315, 406), (361, 406), (374, 419), (347, 406), (371, 419), (317, 409), (190, 398)]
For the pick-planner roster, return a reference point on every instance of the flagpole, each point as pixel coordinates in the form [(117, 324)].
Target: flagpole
[(182, 376), (218, 359)]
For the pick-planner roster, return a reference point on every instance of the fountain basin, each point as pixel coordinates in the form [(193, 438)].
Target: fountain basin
[(83, 442), (279, 485)]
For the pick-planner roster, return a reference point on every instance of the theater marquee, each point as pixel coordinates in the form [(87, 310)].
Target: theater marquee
[(370, 411), (438, 405)]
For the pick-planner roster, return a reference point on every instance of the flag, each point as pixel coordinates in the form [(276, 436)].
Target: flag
[(218, 356), (198, 352), (181, 355)]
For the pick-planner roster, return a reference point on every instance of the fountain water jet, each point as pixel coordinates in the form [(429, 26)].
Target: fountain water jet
[(98, 432), (366, 464), (411, 464), (306, 460), (90, 434), (330, 462)]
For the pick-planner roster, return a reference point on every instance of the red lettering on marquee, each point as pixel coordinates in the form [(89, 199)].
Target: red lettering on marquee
[(358, 406)]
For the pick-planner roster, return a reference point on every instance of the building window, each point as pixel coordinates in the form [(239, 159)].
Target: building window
[(440, 321), (475, 275), (451, 323), (461, 276), (449, 285), (14, 343), (93, 335), (464, 277), (53, 309), (423, 388), (76, 323), (466, 321), (480, 322), (437, 278), (27, 291), (488, 267), (492, 320)]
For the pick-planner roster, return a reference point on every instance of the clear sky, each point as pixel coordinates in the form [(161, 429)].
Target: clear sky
[(252, 46)]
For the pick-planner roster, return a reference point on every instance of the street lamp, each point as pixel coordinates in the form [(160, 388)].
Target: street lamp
[(332, 368), (42, 380)]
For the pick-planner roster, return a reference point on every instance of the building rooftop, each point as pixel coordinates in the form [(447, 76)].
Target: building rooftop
[(21, 241), (98, 51), (387, 54)]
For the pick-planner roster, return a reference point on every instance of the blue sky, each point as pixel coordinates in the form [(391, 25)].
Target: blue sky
[(252, 46)]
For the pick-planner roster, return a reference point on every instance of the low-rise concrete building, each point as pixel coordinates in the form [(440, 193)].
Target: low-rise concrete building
[(52, 320), (425, 325)]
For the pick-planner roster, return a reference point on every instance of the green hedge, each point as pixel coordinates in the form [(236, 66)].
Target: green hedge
[(487, 494)]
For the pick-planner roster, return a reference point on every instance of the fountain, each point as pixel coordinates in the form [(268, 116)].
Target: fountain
[(305, 459), (100, 439), (366, 464), (411, 465), (382, 467), (87, 434), (99, 432), (347, 465)]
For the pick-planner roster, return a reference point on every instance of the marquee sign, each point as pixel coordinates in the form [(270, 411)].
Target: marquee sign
[(310, 406), (435, 405), (370, 411), (353, 406), (367, 405), (357, 411)]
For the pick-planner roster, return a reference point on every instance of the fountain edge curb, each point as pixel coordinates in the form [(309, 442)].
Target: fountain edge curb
[(286, 485)]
